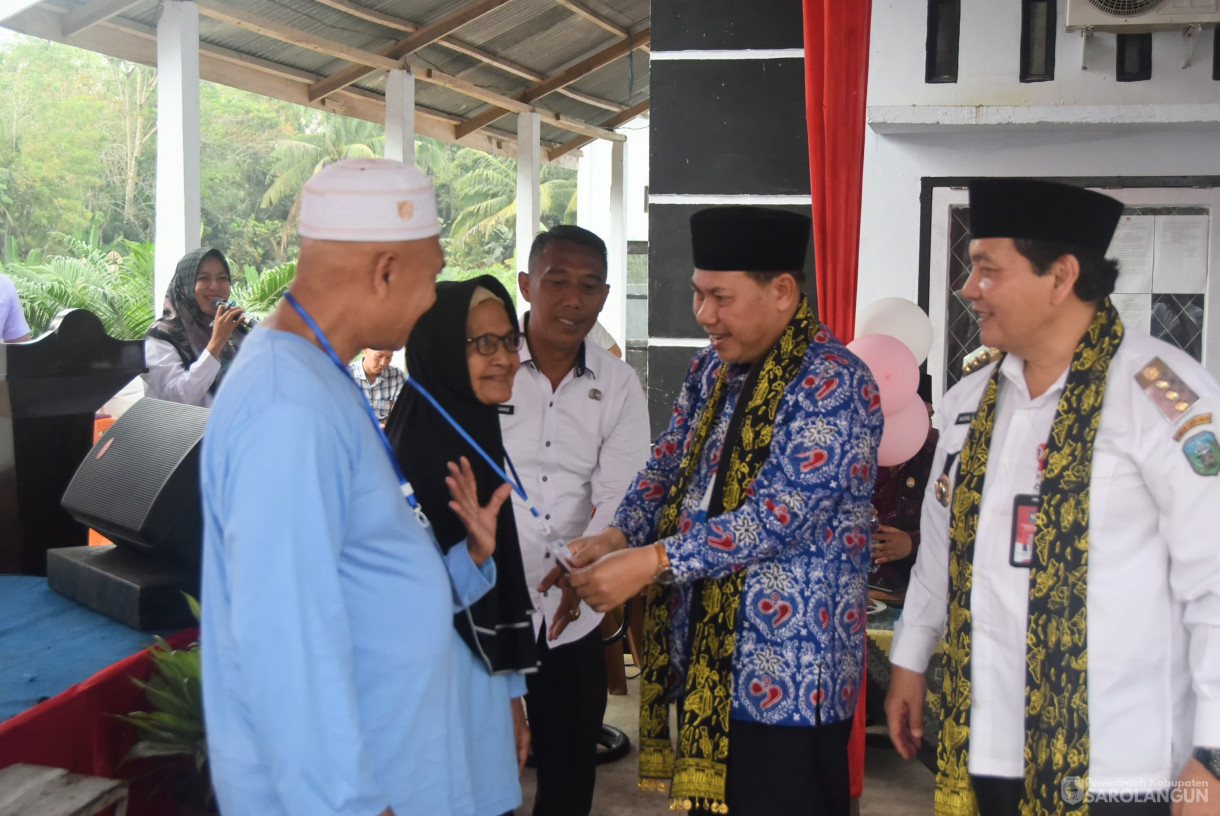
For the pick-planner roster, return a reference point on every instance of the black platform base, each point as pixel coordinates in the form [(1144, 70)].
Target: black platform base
[(132, 589)]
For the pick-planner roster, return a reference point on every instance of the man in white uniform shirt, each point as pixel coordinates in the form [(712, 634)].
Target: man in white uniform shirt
[(577, 432), (1069, 554)]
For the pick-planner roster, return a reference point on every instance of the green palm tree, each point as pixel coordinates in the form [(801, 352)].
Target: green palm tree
[(116, 289), (486, 188), (297, 160)]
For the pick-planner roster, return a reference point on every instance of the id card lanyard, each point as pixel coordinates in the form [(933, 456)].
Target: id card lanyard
[(1025, 507), (555, 546), (408, 492)]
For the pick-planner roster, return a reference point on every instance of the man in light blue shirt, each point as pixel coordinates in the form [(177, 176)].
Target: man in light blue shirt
[(329, 650)]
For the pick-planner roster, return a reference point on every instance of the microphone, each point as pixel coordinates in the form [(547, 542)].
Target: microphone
[(246, 324)]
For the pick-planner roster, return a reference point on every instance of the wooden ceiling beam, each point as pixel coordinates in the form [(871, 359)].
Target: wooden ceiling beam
[(613, 122), (580, 69), (469, 50), (422, 36), (90, 14), (234, 16), (593, 17)]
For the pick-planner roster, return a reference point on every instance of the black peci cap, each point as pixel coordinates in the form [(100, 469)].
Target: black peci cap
[(1043, 211), (749, 239)]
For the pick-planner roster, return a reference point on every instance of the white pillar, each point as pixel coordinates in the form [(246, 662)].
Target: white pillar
[(400, 116), (178, 221), (529, 188), (614, 313)]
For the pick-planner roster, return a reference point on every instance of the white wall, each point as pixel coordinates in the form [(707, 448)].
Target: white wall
[(989, 124), (593, 212)]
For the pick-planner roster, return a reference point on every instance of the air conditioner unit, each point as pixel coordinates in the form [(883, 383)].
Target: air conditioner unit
[(1140, 16)]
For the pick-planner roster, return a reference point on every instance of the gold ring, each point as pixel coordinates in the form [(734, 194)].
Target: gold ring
[(574, 613)]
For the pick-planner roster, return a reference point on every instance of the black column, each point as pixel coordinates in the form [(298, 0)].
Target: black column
[(720, 127)]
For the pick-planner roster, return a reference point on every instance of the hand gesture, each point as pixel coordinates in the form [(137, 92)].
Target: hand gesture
[(904, 710), (227, 319), (890, 544), (616, 577), (521, 734), (480, 520), (584, 552)]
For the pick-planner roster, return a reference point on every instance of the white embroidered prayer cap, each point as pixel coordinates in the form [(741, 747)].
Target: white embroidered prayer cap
[(370, 200)]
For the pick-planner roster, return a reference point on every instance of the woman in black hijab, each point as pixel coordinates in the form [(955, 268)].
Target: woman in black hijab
[(464, 352), (188, 350)]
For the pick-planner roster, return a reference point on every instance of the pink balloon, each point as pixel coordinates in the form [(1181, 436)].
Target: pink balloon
[(893, 366), (904, 434)]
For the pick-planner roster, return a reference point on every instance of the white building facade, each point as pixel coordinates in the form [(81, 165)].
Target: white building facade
[(1154, 143)]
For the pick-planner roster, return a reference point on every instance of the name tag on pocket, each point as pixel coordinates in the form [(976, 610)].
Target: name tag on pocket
[(1024, 525)]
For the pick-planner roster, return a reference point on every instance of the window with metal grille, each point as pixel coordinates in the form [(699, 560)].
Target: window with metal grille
[(1037, 40), (1176, 318), (944, 28)]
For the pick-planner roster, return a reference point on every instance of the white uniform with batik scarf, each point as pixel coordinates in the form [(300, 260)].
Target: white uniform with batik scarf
[(1153, 602)]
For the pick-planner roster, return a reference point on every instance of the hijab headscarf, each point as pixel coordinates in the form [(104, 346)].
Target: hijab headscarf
[(183, 324), (498, 627)]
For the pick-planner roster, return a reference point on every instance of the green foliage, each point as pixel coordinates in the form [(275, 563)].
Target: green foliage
[(115, 288), (485, 192), (259, 294), (173, 726), (506, 276)]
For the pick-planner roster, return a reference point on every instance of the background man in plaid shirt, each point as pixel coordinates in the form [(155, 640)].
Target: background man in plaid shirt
[(380, 380)]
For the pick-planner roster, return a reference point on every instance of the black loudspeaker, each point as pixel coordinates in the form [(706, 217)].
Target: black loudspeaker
[(139, 487)]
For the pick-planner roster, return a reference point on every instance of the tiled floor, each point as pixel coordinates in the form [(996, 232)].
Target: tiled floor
[(892, 787)]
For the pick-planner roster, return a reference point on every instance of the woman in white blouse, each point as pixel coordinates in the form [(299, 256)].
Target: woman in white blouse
[(189, 348)]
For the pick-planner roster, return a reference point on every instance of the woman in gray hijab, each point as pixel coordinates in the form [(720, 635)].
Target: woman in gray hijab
[(188, 350)]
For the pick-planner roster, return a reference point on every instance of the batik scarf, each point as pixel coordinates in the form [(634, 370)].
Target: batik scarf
[(1056, 663), (184, 325), (698, 772)]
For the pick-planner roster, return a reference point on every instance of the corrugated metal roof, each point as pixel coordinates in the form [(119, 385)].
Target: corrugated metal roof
[(540, 36)]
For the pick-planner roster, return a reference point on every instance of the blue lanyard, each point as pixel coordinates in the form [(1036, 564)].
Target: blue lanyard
[(408, 492), (515, 481)]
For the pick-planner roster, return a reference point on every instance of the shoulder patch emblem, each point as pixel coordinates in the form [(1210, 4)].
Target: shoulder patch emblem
[(1203, 452), (1194, 422), (1168, 392)]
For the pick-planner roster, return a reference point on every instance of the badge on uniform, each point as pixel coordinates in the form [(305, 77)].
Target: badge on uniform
[(964, 419), (1203, 452), (505, 409), (595, 394), (1166, 389), (944, 487), (1190, 424), (1024, 527)]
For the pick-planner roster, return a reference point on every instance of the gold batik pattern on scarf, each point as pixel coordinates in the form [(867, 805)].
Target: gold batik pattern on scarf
[(698, 771), (1056, 671)]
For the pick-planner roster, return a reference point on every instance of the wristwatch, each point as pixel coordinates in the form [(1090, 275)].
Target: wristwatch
[(665, 573), (1210, 757)]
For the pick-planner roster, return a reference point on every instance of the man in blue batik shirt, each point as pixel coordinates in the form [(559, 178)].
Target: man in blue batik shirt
[(752, 523), (329, 650)]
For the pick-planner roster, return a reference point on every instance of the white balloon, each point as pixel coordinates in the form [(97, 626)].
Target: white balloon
[(900, 318)]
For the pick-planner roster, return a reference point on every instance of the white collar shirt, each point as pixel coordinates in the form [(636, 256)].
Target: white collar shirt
[(1153, 601), (576, 449)]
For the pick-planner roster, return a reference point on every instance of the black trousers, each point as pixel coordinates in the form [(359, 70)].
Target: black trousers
[(566, 700), (788, 770), (1002, 796)]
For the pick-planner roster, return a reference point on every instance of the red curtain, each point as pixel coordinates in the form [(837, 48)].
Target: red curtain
[(836, 83), (836, 79)]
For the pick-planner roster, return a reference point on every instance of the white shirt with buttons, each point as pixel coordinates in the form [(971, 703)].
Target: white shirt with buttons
[(577, 449), (1153, 600)]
